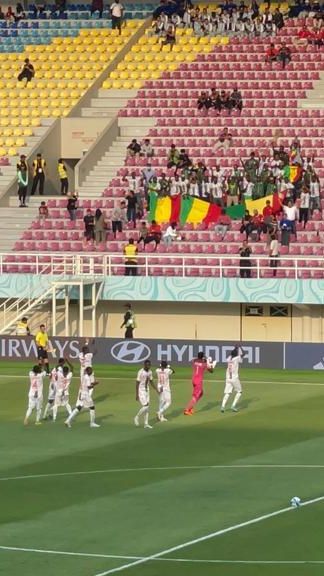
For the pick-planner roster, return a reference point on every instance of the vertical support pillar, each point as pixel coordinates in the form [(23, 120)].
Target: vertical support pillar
[(81, 310), (67, 311), (93, 309), (54, 310)]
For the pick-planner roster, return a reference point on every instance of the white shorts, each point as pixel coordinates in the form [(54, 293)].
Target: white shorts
[(165, 395), (51, 392), (144, 397), (61, 400), (35, 403), (84, 401), (232, 385)]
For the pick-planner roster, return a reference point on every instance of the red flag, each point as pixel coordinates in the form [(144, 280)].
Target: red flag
[(277, 200), (213, 213), (175, 208)]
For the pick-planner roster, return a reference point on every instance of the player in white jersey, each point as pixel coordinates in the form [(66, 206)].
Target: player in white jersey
[(233, 383), (52, 387), (86, 359), (85, 399), (35, 395), (163, 386), (143, 382), (62, 391)]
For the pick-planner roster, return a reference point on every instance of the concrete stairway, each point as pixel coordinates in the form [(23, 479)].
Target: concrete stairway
[(314, 98), (107, 104), (14, 220)]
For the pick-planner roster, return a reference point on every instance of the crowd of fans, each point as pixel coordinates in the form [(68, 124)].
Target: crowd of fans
[(221, 100)]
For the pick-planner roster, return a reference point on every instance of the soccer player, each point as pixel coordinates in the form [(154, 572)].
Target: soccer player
[(199, 367), (63, 382), (52, 387), (42, 347), (84, 399), (143, 382), (233, 383), (35, 395), (86, 358), (163, 385)]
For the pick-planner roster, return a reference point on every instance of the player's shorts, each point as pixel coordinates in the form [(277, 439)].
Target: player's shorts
[(61, 400), (166, 395), (51, 392), (144, 397), (35, 403), (84, 401), (197, 391), (41, 353), (232, 385)]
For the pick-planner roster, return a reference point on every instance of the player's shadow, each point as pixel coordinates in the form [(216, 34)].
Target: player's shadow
[(101, 398), (175, 413), (210, 406), (246, 402)]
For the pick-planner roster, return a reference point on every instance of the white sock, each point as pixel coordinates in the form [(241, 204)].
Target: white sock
[(226, 397), (146, 417), (68, 408), (54, 413), (92, 416), (38, 414), (165, 406), (73, 414), (141, 411), (47, 409), (28, 413), (236, 399)]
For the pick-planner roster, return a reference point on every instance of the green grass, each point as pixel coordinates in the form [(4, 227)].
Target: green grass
[(172, 496)]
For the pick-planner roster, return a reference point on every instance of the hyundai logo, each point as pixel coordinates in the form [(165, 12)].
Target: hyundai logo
[(130, 351)]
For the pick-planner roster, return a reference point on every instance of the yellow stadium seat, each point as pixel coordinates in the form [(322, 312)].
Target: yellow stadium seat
[(117, 84), (135, 75), (155, 74), (7, 132), (9, 141), (24, 113), (5, 122), (15, 122), (138, 84), (2, 151), (27, 132), (12, 151), (107, 84), (20, 142)]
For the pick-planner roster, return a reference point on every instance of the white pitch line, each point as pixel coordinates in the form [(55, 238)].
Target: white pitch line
[(206, 537), (181, 560), (108, 378), (164, 468), (63, 553)]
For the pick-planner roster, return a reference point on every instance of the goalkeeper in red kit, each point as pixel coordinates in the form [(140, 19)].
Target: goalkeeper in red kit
[(199, 367)]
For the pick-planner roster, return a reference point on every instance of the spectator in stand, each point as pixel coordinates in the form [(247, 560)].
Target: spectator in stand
[(236, 100), (284, 55), (118, 218), (245, 223), (274, 254), (133, 149), (255, 225), (304, 35), (89, 226), (20, 12), (173, 157), (147, 149), (2, 14), (304, 206), (143, 232), (273, 227), (22, 177), (39, 166), (27, 72), (285, 228), (147, 174), (154, 234), (184, 161), (130, 253), (271, 54), (223, 224), (10, 15), (43, 211), (62, 171), (131, 207), (278, 20), (245, 262), (169, 38), (224, 139), (170, 234), (225, 102), (117, 12), (204, 101), (99, 227), (291, 214), (314, 193), (97, 6), (72, 206)]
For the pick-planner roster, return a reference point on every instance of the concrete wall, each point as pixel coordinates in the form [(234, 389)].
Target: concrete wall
[(197, 321), (78, 135)]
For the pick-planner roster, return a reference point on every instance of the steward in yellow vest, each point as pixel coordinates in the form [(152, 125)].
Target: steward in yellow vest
[(130, 252)]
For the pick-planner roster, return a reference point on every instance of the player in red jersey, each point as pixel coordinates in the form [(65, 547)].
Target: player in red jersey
[(199, 367)]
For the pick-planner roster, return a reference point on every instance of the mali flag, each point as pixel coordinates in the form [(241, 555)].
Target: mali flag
[(179, 209), (275, 202)]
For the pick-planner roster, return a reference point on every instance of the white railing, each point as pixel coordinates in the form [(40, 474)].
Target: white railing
[(155, 264)]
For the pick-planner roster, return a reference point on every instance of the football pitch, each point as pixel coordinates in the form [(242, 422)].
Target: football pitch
[(194, 496)]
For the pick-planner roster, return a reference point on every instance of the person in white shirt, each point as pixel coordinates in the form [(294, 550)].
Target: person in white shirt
[(85, 399), (62, 392), (170, 234), (147, 149), (52, 387), (274, 253), (314, 194), (35, 394), (291, 214), (163, 385), (143, 382), (232, 382), (304, 206), (116, 11)]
